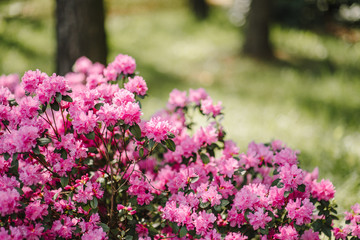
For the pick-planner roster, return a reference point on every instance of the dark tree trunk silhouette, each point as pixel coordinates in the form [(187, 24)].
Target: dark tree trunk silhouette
[(80, 31), (200, 8), (257, 41)]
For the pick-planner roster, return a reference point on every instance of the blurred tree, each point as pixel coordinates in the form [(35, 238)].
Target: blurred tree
[(200, 8), (257, 42), (80, 32)]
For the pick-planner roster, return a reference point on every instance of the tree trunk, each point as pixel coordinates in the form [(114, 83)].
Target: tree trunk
[(257, 42), (80, 31), (200, 8)]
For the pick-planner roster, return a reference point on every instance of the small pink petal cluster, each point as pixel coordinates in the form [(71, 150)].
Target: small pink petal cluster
[(136, 85), (123, 64), (83, 164)]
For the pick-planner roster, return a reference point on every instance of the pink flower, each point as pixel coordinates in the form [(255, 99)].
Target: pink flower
[(301, 211), (340, 233), (235, 218), (130, 113), (235, 236), (157, 129), (28, 107), (10, 81), (310, 235), (324, 190), (206, 135), (259, 219), (4, 234), (228, 166), (5, 95), (177, 99), (245, 199), (230, 149), (35, 232), (82, 65), (94, 234), (32, 79), (36, 210), (63, 227), (291, 176), (197, 95), (208, 194), (124, 64), (84, 123), (9, 201), (286, 156), (287, 233), (207, 107), (203, 222), (122, 97), (136, 85), (109, 114), (50, 86), (94, 80), (142, 230)]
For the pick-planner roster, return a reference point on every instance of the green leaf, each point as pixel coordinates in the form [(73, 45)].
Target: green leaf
[(151, 143), (20, 191), (327, 231), (67, 98), (205, 159), (224, 202), (90, 135), (5, 122), (36, 150), (141, 152), (275, 182), (14, 164), (217, 208), (183, 232), (56, 196), (43, 141), (63, 153), (194, 179), (43, 107), (92, 150), (94, 202), (136, 131), (170, 135), (55, 106), (280, 185), (128, 237), (239, 172), (6, 156), (98, 106), (204, 204), (64, 181), (287, 193), (301, 188), (104, 227), (129, 217), (170, 145), (58, 97)]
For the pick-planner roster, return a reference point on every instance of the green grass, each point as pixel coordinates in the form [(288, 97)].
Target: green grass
[(309, 97)]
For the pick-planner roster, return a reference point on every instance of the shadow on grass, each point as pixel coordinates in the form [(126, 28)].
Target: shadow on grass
[(335, 112), (160, 83), (8, 42)]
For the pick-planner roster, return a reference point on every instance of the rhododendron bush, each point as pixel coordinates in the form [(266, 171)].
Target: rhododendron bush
[(79, 162)]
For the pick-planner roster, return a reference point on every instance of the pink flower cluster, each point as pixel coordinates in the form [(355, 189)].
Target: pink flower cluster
[(79, 162)]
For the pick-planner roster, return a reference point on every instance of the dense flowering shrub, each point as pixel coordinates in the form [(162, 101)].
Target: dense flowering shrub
[(79, 162)]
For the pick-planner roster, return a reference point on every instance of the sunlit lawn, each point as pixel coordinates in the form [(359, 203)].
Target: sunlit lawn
[(309, 97)]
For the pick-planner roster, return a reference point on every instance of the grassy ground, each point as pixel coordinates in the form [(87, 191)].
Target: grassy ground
[(309, 97)]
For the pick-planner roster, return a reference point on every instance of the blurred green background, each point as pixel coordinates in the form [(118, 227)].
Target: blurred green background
[(307, 97)]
